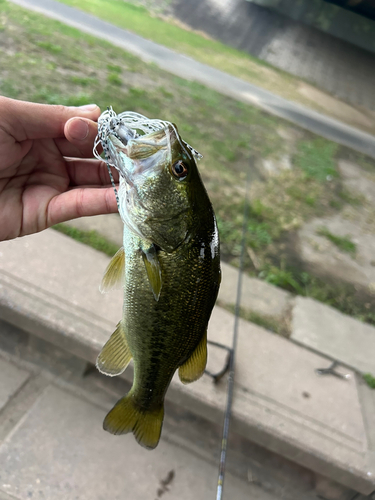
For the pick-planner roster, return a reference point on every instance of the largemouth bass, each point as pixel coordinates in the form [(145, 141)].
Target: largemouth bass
[(169, 267)]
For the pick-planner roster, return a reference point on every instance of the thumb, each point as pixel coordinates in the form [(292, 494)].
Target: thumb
[(26, 120)]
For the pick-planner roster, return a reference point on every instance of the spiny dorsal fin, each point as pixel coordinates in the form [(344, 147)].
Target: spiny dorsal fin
[(115, 355), (114, 273), (153, 269), (194, 367)]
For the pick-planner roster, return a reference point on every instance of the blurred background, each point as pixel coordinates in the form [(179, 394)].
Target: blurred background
[(282, 106)]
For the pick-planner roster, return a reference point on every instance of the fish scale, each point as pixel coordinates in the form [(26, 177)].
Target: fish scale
[(169, 268), (179, 309)]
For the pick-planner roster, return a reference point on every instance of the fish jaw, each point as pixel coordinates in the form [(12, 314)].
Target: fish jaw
[(153, 204)]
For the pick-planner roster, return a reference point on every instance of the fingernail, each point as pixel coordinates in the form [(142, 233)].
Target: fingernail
[(79, 130), (88, 107)]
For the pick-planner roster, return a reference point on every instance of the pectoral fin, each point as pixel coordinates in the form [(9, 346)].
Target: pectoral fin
[(115, 355), (153, 269), (194, 367), (114, 274)]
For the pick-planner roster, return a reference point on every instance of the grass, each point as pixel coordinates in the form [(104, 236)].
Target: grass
[(343, 243), (83, 81), (91, 238), (283, 278), (54, 49), (316, 159), (370, 380), (232, 136), (281, 327), (167, 32), (114, 78), (345, 297), (138, 19)]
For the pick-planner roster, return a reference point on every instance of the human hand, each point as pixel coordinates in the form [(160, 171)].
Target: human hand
[(47, 173)]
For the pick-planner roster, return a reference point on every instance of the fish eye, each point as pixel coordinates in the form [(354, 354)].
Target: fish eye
[(179, 170)]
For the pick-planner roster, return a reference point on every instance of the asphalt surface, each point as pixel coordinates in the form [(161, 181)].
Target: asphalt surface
[(186, 67)]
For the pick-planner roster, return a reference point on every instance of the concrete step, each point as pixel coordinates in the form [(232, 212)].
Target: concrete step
[(49, 288), (55, 449), (305, 321)]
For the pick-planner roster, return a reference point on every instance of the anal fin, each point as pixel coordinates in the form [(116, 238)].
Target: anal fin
[(115, 355), (114, 272), (194, 367)]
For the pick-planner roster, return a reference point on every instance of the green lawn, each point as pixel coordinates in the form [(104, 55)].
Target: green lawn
[(137, 19), (169, 33)]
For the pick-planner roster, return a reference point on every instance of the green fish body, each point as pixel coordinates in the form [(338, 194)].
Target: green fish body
[(170, 269)]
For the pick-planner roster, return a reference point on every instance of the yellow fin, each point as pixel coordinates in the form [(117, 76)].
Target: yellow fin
[(114, 272), (115, 355), (194, 367), (126, 417), (153, 269)]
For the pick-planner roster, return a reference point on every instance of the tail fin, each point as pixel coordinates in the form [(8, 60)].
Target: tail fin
[(145, 424)]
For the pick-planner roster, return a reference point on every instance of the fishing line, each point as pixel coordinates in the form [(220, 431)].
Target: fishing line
[(114, 186), (228, 410)]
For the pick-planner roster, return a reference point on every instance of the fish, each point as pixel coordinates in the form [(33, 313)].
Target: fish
[(169, 268)]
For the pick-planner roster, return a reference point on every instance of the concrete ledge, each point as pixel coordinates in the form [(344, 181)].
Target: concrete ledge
[(49, 287), (334, 334), (257, 296)]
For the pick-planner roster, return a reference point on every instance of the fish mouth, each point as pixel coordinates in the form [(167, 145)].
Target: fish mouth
[(131, 138), (138, 148)]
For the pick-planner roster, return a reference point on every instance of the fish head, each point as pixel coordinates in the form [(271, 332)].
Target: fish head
[(159, 186)]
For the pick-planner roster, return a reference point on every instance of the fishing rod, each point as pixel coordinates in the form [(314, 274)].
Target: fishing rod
[(232, 353)]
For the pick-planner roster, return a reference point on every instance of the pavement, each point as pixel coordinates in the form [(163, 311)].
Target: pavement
[(325, 424), (51, 445), (186, 67)]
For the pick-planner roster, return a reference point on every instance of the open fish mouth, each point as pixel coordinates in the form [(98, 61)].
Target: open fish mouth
[(115, 132), (139, 148)]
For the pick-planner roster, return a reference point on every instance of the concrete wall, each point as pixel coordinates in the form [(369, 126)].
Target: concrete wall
[(329, 18)]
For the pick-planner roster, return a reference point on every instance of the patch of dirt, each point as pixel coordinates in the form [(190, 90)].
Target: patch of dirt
[(354, 222), (337, 108)]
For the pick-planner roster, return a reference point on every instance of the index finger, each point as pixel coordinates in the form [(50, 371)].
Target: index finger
[(27, 120)]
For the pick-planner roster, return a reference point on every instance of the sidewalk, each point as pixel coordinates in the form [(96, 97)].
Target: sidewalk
[(52, 445), (186, 67), (49, 288)]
